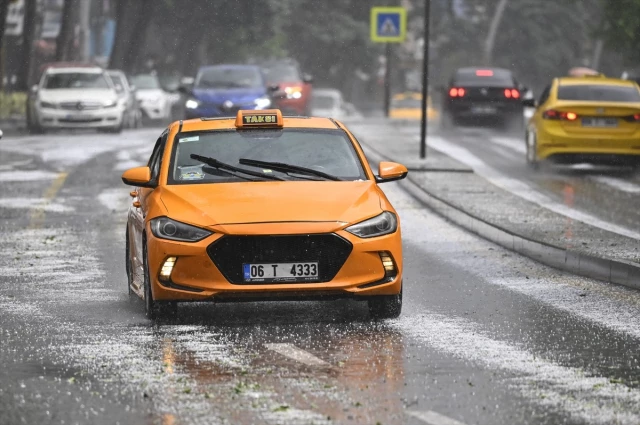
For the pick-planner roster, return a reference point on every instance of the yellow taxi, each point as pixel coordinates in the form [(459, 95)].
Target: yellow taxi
[(408, 106), (587, 118), (262, 207)]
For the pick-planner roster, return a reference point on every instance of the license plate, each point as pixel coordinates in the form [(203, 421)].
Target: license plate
[(280, 272), (599, 122), (483, 110), (78, 117)]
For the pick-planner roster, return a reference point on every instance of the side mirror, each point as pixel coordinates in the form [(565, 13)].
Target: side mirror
[(34, 88), (530, 103), (391, 171), (139, 176), (1, 134), (186, 90), (307, 78)]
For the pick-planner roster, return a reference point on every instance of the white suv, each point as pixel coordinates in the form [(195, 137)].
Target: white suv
[(75, 98)]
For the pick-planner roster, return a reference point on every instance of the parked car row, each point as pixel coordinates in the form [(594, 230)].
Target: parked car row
[(72, 95)]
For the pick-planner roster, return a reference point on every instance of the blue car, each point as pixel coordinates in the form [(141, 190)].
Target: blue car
[(222, 90)]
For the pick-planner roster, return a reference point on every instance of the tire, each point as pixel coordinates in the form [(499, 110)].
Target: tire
[(150, 308), (129, 268), (385, 306), (531, 144)]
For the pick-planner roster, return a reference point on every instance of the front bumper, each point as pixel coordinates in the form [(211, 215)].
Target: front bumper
[(154, 110), (196, 276), (98, 118)]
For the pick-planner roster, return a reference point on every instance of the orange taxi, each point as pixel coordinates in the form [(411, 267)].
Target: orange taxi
[(262, 207)]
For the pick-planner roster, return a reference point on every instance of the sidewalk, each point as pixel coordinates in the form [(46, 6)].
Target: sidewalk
[(453, 190)]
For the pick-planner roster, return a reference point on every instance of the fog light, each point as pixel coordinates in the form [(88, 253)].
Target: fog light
[(167, 268), (388, 264)]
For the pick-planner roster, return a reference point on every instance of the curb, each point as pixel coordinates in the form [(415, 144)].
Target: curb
[(605, 269)]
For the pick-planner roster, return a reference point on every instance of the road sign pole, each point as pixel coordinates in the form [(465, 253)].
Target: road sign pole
[(387, 80), (425, 82)]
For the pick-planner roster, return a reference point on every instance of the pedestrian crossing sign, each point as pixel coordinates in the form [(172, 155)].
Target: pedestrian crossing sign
[(388, 24)]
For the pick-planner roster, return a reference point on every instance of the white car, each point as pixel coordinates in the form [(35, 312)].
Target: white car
[(75, 98), (154, 101), (328, 103)]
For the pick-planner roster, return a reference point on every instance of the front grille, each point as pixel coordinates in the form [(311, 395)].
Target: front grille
[(229, 253), (81, 106)]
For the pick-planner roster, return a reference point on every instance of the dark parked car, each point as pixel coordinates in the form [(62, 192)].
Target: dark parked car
[(483, 95)]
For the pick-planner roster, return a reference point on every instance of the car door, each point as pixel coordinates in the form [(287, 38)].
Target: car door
[(139, 209)]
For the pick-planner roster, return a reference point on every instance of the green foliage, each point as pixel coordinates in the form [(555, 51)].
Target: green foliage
[(622, 29), (12, 104)]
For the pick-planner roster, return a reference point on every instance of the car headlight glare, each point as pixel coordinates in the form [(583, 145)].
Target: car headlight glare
[(380, 225), (262, 102), (110, 104), (192, 104), (49, 105), (166, 228)]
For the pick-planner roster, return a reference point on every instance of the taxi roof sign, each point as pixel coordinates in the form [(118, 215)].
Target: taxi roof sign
[(262, 118)]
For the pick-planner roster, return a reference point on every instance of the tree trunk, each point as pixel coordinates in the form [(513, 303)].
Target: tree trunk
[(64, 42), (28, 39), (133, 55), (4, 7), (493, 31), (123, 27)]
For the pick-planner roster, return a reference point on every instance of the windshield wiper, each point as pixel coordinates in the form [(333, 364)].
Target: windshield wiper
[(287, 168), (214, 163)]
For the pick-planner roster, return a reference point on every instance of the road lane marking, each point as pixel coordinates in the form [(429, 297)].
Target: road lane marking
[(37, 216), (523, 190), (593, 399), (515, 145), (616, 183), (432, 418), (297, 354), (26, 176), (506, 154)]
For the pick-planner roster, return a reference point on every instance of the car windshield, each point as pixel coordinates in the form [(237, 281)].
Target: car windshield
[(145, 82), (598, 92), (326, 101), (76, 80), (328, 151), (282, 74), (226, 78), (408, 102), (484, 78)]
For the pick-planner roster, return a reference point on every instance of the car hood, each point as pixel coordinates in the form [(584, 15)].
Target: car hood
[(220, 204), (76, 95), (246, 95)]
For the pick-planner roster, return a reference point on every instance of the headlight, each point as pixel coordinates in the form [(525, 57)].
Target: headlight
[(110, 104), (382, 224), (166, 228), (49, 105), (192, 104), (262, 102), (293, 92)]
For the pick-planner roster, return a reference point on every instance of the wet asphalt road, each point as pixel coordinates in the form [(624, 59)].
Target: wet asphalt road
[(486, 337)]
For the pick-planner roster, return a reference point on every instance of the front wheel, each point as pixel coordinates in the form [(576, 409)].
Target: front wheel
[(385, 306), (128, 266)]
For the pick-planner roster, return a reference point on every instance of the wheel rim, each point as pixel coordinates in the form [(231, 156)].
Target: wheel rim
[(148, 297), (531, 148)]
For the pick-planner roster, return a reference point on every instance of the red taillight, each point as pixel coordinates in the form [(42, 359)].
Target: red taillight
[(484, 73), (552, 114), (457, 92), (511, 94), (632, 118)]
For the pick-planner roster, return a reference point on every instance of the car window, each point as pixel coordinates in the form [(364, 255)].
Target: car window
[(229, 78), (156, 157), (145, 82), (75, 80), (282, 73), (118, 82), (320, 101), (544, 95), (329, 151), (599, 92), (484, 77)]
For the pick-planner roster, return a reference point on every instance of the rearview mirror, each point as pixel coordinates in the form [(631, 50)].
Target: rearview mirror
[(139, 176), (391, 171), (530, 103)]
